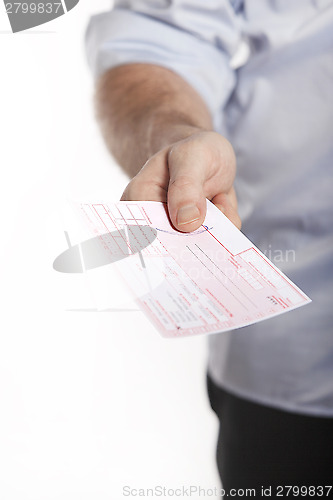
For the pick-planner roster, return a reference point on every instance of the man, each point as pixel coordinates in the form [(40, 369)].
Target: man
[(174, 109)]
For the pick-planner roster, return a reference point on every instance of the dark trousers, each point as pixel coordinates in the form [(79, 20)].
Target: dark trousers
[(261, 447)]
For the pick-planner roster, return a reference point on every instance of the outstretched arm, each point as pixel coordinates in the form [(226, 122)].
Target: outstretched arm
[(160, 131)]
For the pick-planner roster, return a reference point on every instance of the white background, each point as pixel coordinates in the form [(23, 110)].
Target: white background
[(89, 401)]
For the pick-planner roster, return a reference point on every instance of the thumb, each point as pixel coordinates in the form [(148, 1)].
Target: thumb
[(186, 197)]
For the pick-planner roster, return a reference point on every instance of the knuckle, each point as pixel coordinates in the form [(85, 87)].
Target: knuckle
[(229, 151), (140, 188), (183, 181), (134, 188), (190, 147)]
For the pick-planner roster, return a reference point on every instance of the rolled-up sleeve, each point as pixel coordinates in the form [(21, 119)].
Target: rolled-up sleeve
[(195, 39)]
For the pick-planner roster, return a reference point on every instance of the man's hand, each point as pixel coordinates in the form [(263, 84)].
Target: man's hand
[(147, 111), (184, 174)]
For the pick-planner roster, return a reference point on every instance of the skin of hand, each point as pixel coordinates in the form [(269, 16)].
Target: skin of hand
[(150, 116), (184, 174)]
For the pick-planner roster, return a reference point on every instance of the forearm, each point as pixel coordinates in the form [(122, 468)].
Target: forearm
[(143, 108)]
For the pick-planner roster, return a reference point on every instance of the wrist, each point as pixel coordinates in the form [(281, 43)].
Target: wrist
[(166, 131)]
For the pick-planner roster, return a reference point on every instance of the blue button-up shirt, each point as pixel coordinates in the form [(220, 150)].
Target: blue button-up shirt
[(277, 111)]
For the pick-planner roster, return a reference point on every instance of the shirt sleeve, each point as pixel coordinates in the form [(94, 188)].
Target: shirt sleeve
[(195, 39)]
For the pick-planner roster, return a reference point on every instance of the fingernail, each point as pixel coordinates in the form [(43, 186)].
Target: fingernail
[(187, 214)]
